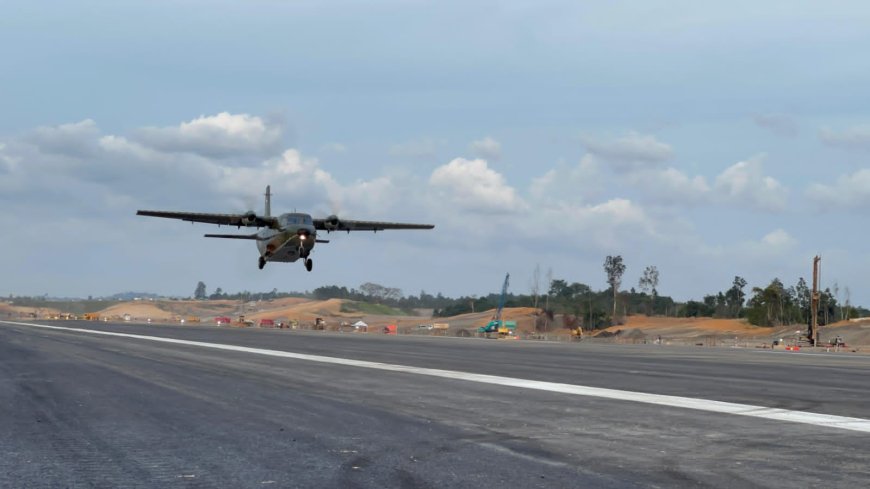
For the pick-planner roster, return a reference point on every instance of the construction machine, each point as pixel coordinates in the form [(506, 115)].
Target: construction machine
[(498, 326)]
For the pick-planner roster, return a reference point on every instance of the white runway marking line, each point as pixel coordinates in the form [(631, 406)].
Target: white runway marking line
[(776, 414)]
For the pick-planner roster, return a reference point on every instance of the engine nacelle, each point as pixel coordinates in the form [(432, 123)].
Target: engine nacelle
[(331, 223), (249, 219)]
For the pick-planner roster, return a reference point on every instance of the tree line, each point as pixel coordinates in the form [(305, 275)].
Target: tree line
[(579, 305)]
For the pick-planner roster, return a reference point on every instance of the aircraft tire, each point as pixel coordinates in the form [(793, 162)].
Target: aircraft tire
[(309, 264), (262, 263)]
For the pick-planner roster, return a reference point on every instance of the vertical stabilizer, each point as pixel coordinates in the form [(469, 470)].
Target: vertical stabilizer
[(268, 201)]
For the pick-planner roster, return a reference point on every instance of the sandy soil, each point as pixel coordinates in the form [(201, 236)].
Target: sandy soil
[(13, 311), (636, 328), (138, 311)]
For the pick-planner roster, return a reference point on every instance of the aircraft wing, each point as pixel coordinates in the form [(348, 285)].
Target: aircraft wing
[(234, 236), (248, 220), (334, 224)]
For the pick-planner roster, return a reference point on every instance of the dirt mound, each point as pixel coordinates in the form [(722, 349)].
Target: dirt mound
[(302, 309), (137, 311), (11, 311), (704, 324)]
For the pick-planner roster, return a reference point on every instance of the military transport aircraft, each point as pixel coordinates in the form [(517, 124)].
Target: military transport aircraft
[(286, 238)]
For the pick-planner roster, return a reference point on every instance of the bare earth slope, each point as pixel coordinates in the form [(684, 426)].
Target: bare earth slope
[(637, 328)]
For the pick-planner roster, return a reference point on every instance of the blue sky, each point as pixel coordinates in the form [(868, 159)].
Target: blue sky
[(710, 140)]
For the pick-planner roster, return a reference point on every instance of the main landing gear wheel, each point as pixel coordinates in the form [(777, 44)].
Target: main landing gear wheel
[(309, 264), (262, 262)]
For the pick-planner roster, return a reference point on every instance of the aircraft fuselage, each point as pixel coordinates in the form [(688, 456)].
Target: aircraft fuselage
[(294, 238)]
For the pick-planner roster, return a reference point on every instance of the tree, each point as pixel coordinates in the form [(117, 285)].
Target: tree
[(375, 291), (218, 294), (735, 296), (199, 293), (803, 300), (536, 283), (559, 288), (848, 305), (767, 305), (648, 283), (614, 268)]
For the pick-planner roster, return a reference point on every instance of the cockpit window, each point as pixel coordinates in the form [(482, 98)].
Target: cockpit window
[(295, 219)]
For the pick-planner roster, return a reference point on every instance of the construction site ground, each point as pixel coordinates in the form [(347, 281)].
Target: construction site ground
[(304, 312)]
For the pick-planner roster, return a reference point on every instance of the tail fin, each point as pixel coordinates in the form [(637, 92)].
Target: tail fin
[(268, 201)]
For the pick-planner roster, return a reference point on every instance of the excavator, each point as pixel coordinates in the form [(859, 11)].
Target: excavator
[(498, 326)]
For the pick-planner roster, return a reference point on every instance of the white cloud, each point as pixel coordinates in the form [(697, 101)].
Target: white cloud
[(629, 153), (119, 171), (779, 124), (671, 186), (334, 148), (857, 137), (849, 191), (7, 163), (613, 224), (218, 136), (578, 183), (422, 148), (74, 139), (744, 183), (778, 239), (486, 148), (473, 186)]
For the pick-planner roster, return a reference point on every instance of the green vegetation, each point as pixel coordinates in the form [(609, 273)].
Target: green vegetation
[(369, 308), (71, 306), (577, 303)]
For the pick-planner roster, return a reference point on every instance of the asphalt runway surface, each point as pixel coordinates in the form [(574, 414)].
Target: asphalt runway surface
[(90, 410)]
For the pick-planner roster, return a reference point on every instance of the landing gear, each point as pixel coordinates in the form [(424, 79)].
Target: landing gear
[(309, 264), (262, 262)]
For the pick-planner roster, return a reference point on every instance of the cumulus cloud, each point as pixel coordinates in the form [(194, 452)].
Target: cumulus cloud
[(577, 183), (671, 186), (629, 153), (335, 148), (857, 137), (422, 149), (607, 225), (217, 136), (779, 124), (473, 186), (7, 162), (745, 183), (779, 239), (486, 148), (121, 171), (74, 139), (849, 191)]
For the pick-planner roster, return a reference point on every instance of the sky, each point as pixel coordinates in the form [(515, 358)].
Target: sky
[(708, 139)]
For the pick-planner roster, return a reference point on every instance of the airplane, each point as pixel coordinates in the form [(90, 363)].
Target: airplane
[(285, 238)]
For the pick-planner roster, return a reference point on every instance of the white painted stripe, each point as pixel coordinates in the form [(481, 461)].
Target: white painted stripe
[(816, 419)]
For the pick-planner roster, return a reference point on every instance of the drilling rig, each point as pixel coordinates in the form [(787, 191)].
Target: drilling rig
[(813, 333), (503, 328)]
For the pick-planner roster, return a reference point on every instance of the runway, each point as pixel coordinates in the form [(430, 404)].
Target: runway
[(88, 410)]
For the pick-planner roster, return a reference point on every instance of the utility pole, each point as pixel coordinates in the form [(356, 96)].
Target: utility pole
[(814, 304)]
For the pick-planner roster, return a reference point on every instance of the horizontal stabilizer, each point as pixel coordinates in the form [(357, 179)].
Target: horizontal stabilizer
[(233, 236)]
